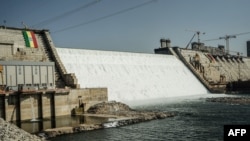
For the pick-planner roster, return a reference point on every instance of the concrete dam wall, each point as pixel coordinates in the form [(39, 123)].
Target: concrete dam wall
[(131, 76)]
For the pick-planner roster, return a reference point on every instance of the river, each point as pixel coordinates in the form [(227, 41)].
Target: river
[(195, 120)]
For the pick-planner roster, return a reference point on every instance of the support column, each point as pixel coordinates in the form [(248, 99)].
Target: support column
[(40, 106), (53, 111), (18, 109), (3, 107), (40, 111)]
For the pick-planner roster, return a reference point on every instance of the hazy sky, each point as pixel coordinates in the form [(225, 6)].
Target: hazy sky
[(131, 25)]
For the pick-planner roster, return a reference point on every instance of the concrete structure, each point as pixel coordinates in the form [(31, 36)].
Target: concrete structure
[(220, 50), (18, 106), (248, 48), (212, 66), (13, 47), (34, 83), (22, 75), (131, 77)]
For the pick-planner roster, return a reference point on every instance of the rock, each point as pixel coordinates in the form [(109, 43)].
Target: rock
[(123, 110), (110, 108), (10, 131), (50, 133), (121, 115), (230, 100), (89, 127)]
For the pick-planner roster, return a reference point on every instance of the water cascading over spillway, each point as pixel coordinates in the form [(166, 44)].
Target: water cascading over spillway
[(131, 76)]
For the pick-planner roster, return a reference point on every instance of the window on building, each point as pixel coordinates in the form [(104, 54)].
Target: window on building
[(28, 85)]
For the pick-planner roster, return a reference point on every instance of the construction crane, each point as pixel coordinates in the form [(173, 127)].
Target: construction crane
[(190, 41), (227, 37), (196, 33)]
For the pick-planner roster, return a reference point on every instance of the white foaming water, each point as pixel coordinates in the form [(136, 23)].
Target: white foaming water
[(131, 76)]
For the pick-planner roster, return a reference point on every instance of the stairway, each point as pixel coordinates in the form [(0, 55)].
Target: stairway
[(61, 75)]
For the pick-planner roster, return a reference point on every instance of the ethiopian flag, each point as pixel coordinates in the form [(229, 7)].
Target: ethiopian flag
[(30, 39)]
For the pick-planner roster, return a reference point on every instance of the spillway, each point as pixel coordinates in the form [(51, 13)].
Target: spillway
[(131, 76)]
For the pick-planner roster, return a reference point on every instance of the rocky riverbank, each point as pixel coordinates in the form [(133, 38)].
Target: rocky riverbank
[(10, 132), (120, 115), (230, 100)]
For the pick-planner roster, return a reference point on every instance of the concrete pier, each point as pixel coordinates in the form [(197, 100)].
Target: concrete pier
[(2, 107)]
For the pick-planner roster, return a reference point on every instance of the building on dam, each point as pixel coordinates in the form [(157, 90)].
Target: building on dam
[(34, 82)]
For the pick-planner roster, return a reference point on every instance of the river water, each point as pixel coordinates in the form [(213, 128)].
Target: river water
[(195, 120)]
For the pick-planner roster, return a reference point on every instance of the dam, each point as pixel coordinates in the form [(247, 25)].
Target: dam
[(40, 80), (131, 76)]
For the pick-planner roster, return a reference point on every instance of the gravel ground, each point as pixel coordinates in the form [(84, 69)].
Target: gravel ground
[(10, 132)]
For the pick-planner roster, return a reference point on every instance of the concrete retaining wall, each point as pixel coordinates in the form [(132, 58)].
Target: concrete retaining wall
[(217, 71), (39, 105)]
